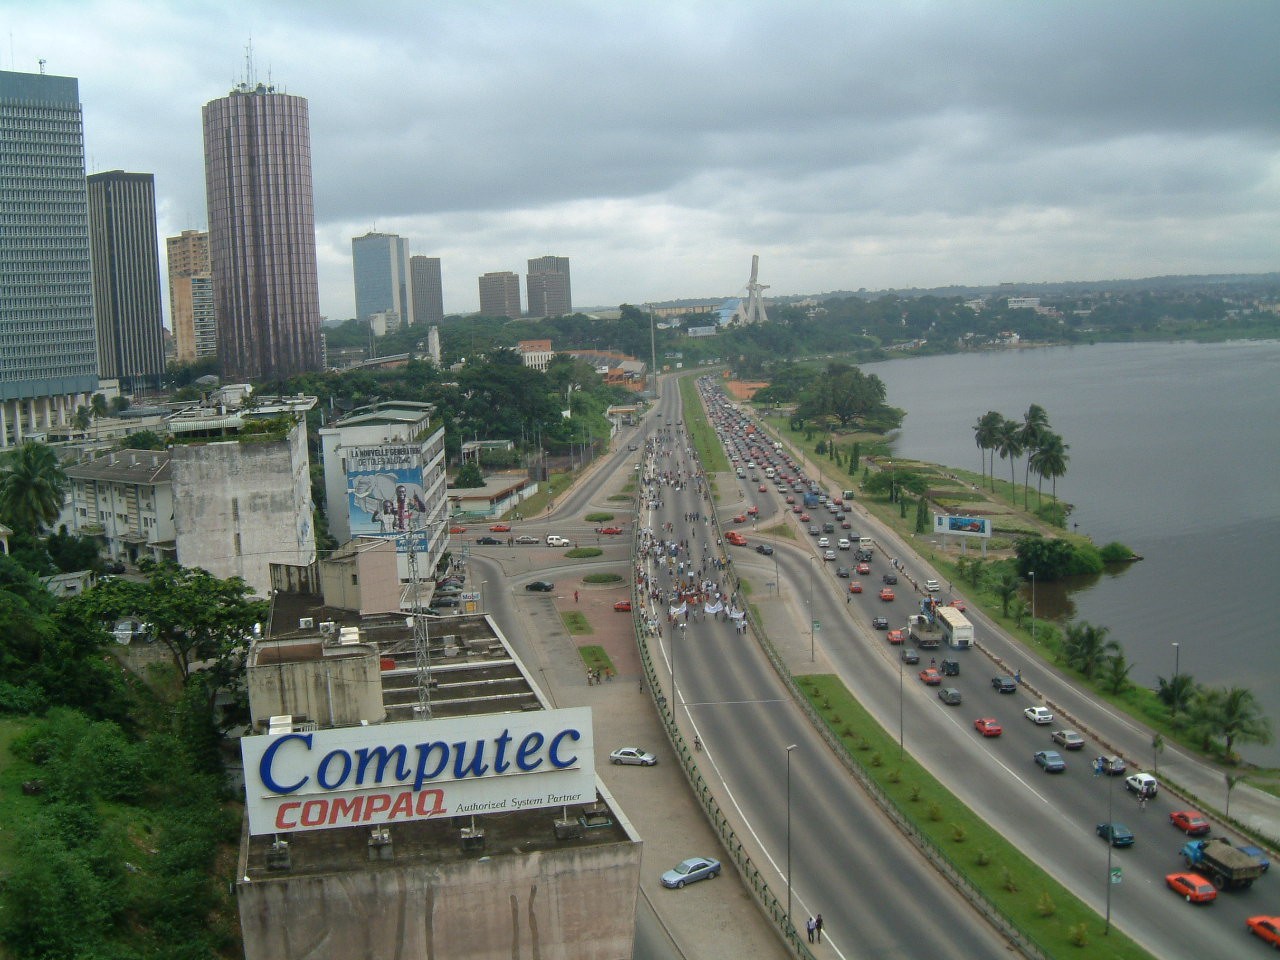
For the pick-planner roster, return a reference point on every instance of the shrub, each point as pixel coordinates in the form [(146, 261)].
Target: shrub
[(983, 858), (598, 517), (877, 760), (1045, 905), (914, 792), (894, 776), (1008, 881), (958, 832), (582, 553), (602, 578), (1079, 935), (1116, 552), (935, 811)]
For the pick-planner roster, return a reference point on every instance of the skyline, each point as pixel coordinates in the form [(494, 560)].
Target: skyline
[(659, 146)]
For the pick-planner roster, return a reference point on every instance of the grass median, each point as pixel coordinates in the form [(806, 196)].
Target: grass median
[(1045, 911)]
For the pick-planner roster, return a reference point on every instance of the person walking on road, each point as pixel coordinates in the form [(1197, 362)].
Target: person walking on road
[(817, 926), (811, 926)]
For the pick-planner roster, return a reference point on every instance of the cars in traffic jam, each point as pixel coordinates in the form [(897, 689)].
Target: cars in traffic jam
[(1192, 887)]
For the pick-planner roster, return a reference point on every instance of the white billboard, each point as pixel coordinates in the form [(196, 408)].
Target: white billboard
[(419, 769), (962, 526)]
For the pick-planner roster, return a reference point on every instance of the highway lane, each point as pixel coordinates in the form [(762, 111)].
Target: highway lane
[(1051, 816), (848, 861)]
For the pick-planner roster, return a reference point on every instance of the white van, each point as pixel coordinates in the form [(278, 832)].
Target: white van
[(555, 541), (770, 472), (865, 544)]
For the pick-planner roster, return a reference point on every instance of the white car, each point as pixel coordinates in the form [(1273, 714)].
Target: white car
[(1143, 784), (933, 586), (824, 541), (843, 543), (633, 755), (555, 541), (1039, 715)]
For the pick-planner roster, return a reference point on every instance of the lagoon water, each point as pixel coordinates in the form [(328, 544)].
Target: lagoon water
[(1175, 451)]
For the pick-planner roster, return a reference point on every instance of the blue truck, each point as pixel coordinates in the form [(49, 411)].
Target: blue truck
[(1225, 866)]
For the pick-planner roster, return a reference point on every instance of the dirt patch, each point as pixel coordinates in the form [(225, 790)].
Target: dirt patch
[(744, 389)]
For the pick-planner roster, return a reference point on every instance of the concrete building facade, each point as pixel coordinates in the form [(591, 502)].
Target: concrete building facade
[(500, 295), (262, 237), (428, 290), (380, 263), (126, 278), (48, 341), (384, 476), (549, 290), (191, 309), (124, 499), (536, 354)]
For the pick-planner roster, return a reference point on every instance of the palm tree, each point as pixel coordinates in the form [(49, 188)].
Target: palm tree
[(1006, 589), (1240, 718), (32, 488), (1087, 648), (1116, 675), (986, 434), (1035, 424), (81, 420), (1008, 445), (1176, 694), (1050, 460)]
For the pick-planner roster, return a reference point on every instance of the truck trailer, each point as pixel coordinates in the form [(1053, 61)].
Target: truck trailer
[(1225, 866)]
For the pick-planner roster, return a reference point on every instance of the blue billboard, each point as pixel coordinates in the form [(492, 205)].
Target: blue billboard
[(961, 526)]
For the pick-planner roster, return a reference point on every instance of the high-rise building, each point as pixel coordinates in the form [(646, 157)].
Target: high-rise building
[(381, 266), (191, 311), (548, 283), (48, 343), (428, 292), (500, 295), (126, 278), (262, 236)]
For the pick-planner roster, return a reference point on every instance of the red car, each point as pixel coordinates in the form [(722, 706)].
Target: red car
[(797, 508), (611, 531), (886, 593), (735, 538), (753, 511), (864, 568), (500, 528), (988, 727), (855, 586), (457, 529), (896, 636), (1190, 822), (959, 605), (931, 677), (762, 488), (740, 518), (623, 606), (805, 518), (1265, 928), (1194, 887), (791, 499)]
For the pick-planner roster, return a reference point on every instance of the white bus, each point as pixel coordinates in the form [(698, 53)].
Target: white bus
[(956, 628)]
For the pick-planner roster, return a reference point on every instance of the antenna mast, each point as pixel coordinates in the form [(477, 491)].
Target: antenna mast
[(421, 652)]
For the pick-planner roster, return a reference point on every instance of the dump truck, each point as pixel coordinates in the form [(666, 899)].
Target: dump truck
[(1223, 865)]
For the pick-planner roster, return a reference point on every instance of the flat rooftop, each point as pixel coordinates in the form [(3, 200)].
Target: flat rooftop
[(473, 672)]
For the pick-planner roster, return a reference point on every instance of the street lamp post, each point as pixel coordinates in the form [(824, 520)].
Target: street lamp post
[(1110, 846), (790, 927), (482, 583), (1177, 649), (901, 728)]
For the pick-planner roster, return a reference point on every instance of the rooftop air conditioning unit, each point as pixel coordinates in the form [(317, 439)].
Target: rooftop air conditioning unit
[(282, 723), (349, 636), (306, 623), (328, 627)]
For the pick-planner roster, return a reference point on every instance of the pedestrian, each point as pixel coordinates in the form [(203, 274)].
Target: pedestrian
[(575, 596), (811, 926), (817, 926), (1142, 802)]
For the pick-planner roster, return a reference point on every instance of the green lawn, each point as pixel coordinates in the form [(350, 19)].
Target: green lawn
[(575, 622)]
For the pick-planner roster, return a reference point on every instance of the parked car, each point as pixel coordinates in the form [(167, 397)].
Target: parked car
[(1117, 834), (1051, 760), (1004, 684), (988, 726), (540, 586), (441, 602), (623, 606), (691, 870), (1143, 784), (1067, 739), (636, 756), (950, 696), (1112, 766), (1190, 822), (1192, 886), (1038, 715)]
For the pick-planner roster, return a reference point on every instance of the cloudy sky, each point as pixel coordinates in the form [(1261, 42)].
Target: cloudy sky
[(660, 144)]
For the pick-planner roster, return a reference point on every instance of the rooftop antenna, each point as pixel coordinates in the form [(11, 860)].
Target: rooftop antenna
[(421, 652), (42, 62)]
